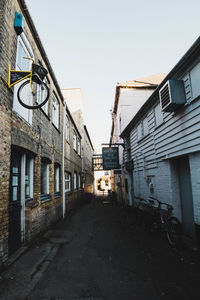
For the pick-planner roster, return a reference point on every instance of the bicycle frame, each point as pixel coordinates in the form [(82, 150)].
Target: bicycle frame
[(16, 76)]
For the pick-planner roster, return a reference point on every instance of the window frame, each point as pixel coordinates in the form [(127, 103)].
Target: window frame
[(56, 179), (67, 128), (78, 146), (55, 111), (79, 181), (29, 159), (68, 181), (25, 114), (45, 107), (74, 141), (45, 194), (75, 180)]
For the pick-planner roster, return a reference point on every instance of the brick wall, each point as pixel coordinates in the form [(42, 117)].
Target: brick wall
[(40, 139)]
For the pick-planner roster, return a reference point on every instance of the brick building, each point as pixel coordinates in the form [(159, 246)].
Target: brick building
[(40, 158)]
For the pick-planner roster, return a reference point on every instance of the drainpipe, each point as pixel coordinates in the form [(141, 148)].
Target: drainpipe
[(63, 163)]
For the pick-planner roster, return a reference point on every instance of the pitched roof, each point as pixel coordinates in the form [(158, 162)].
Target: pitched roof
[(152, 80)]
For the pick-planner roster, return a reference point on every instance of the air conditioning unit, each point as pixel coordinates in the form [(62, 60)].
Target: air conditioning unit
[(172, 95)]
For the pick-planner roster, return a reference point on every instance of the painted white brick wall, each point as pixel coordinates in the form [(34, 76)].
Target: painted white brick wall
[(165, 183), (195, 179)]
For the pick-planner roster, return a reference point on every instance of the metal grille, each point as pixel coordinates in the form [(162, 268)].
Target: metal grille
[(165, 98)]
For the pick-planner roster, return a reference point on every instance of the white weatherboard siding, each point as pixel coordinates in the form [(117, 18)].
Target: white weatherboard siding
[(154, 152)]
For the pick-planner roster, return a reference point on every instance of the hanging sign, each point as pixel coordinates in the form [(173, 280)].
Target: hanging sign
[(110, 158)]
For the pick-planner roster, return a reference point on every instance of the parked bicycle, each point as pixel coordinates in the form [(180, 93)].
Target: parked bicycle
[(34, 92), (155, 215), (163, 221)]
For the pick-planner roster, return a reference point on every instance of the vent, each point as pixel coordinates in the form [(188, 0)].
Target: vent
[(172, 95)]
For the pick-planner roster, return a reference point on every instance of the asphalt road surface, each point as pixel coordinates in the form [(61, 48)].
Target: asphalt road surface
[(98, 253)]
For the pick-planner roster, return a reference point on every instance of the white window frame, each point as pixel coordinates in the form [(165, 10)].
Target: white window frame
[(57, 179), (46, 192), (79, 181), (31, 162), (67, 181), (67, 128), (74, 141), (79, 146), (41, 98), (23, 112), (55, 111), (75, 180)]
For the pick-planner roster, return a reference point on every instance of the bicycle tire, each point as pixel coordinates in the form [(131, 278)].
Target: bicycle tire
[(174, 232), (24, 94)]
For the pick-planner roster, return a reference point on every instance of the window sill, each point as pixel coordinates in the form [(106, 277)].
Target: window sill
[(56, 194), (45, 198)]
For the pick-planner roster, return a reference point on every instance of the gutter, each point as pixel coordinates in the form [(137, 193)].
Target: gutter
[(63, 164)]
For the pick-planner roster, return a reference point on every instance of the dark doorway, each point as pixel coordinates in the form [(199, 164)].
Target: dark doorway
[(14, 239), (186, 196)]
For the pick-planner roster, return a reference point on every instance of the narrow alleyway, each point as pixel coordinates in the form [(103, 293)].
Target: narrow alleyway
[(98, 253)]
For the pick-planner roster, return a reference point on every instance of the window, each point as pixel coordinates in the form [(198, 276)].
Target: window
[(55, 111), (56, 179), (75, 180), (42, 96), (143, 128), (194, 77), (140, 131), (23, 50), (79, 181), (28, 178), (74, 141), (158, 115), (67, 182), (67, 128), (79, 146), (44, 178)]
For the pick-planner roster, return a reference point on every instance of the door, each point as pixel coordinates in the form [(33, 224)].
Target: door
[(186, 196), (14, 239)]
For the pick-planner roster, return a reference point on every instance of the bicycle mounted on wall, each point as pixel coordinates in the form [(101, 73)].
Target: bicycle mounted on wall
[(34, 88)]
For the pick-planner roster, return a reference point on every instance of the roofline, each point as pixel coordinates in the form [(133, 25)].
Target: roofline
[(117, 93), (88, 137), (32, 27), (182, 64)]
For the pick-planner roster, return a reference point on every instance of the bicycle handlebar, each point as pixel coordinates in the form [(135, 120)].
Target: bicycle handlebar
[(29, 58)]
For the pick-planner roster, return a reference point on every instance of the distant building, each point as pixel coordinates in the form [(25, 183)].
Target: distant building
[(74, 100), (129, 97)]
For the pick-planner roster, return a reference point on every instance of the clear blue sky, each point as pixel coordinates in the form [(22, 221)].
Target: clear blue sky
[(93, 44)]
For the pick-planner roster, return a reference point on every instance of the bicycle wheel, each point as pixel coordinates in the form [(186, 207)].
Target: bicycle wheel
[(35, 99), (174, 231)]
